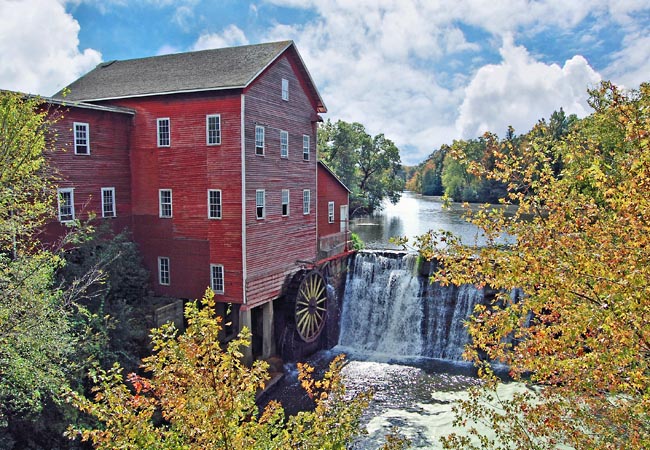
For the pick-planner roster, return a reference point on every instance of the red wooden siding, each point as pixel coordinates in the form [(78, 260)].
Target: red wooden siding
[(189, 167), (124, 154), (276, 244), (107, 165), (329, 190)]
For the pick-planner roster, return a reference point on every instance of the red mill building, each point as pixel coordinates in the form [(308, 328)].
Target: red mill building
[(209, 158)]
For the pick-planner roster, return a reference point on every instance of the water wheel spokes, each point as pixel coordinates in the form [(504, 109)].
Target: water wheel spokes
[(311, 306)]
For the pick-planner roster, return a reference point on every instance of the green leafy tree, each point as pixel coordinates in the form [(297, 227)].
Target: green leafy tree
[(36, 334), (459, 182), (579, 336), (113, 300), (201, 396), (426, 179), (47, 336), (369, 166)]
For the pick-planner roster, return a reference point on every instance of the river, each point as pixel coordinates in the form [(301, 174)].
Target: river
[(415, 394), (413, 216), (396, 327)]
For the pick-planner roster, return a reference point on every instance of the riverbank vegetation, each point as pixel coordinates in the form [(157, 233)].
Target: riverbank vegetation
[(579, 336), (449, 170), (64, 306), (198, 395), (369, 166)]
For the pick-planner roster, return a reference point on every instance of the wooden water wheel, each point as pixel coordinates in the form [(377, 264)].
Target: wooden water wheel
[(311, 306)]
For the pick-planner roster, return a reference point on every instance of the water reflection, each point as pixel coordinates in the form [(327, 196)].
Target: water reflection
[(413, 216)]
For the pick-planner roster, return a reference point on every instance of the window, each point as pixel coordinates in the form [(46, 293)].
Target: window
[(306, 201), (163, 133), (163, 270), (165, 205), (214, 204), (284, 144), (108, 202), (330, 212), (305, 147), (285, 89), (213, 129), (259, 140), (260, 203), (285, 202), (216, 278), (81, 138), (66, 204)]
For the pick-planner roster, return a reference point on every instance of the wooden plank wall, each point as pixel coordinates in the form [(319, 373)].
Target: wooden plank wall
[(107, 165), (275, 244), (329, 190), (189, 167)]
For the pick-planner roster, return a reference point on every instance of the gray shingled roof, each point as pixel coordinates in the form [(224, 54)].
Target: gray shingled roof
[(224, 68)]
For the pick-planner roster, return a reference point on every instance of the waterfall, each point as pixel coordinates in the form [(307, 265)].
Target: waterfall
[(390, 309)]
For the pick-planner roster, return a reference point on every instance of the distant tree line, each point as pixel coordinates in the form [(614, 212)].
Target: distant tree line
[(445, 173)]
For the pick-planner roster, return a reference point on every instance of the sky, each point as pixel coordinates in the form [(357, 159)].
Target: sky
[(422, 72)]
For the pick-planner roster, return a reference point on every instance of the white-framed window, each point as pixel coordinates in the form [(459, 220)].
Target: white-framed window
[(213, 129), (259, 140), (330, 212), (165, 203), (305, 147), (214, 204), (285, 202), (163, 270), (306, 201), (260, 204), (66, 204), (164, 132), (216, 278), (81, 138), (285, 89), (284, 144), (108, 202)]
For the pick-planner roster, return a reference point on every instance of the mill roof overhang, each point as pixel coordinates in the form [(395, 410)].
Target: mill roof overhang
[(205, 70)]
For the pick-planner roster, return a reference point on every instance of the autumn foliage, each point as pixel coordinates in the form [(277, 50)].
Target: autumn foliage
[(579, 336), (201, 395)]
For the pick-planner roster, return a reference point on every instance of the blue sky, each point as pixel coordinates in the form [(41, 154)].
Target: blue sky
[(422, 72)]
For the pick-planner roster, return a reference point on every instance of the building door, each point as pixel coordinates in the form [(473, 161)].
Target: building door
[(344, 218)]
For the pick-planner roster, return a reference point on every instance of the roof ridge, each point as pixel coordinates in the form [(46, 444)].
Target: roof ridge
[(206, 50)]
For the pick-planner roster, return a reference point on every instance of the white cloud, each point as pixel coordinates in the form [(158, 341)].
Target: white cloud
[(230, 36), (407, 68), (167, 50), (520, 90), (374, 63), (183, 17), (39, 47), (631, 65)]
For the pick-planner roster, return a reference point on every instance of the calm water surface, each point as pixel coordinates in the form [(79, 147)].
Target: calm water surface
[(412, 216)]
